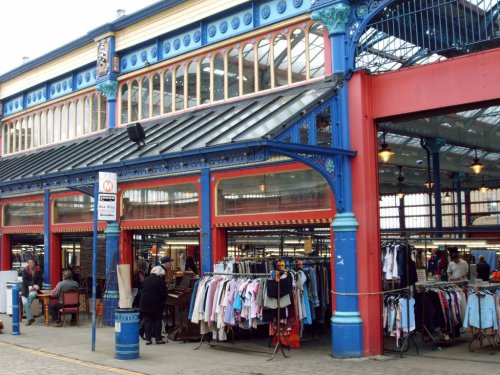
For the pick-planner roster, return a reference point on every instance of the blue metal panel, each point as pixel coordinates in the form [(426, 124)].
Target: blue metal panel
[(35, 97), (180, 43), (229, 26), (274, 11), (13, 105), (86, 78), (139, 58), (61, 87), (206, 226)]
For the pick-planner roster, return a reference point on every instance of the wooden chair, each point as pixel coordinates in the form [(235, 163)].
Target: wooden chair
[(71, 305)]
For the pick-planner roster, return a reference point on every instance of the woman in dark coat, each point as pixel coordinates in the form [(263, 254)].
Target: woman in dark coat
[(153, 298)]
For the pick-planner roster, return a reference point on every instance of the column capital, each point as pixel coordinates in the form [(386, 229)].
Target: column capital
[(335, 16), (108, 87), (435, 144), (113, 229), (345, 222)]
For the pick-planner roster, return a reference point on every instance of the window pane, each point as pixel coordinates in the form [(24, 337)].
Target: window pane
[(95, 113), (23, 134), (192, 85), (71, 120), (29, 132), (64, 122), (79, 118), (75, 209), (87, 115), (57, 124), (135, 101), (124, 104), (23, 213), (167, 92), (233, 74), (103, 110), (298, 47), (280, 61), (50, 126), (179, 88), (263, 58), (324, 128), (316, 51), (248, 60), (219, 74), (156, 95), (205, 81), (36, 130), (160, 202), (304, 190), (304, 134), (145, 98)]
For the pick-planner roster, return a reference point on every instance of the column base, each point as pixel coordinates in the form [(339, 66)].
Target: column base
[(346, 335)]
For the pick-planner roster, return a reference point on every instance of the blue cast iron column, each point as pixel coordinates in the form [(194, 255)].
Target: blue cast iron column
[(206, 227), (435, 145), (346, 323), (457, 181), (46, 240), (111, 295)]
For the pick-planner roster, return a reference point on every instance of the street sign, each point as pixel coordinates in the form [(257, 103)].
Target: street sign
[(108, 183), (106, 207)]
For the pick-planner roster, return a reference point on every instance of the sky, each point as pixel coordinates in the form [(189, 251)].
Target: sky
[(33, 28)]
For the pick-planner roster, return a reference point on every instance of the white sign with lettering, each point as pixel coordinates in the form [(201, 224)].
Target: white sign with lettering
[(106, 207)]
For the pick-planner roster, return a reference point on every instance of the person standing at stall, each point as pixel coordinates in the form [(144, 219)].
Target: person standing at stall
[(483, 269), (32, 283), (458, 269), (152, 305)]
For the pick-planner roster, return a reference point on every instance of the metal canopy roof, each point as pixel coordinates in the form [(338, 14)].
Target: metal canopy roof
[(462, 134), (261, 117)]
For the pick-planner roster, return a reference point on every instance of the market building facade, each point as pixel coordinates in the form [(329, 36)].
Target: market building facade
[(222, 118)]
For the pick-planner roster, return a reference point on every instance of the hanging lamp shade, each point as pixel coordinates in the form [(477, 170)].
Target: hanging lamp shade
[(483, 188), (429, 184), (477, 166), (385, 153), (447, 197), (400, 194)]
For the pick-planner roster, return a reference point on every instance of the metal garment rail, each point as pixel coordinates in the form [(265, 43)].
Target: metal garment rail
[(481, 334), (278, 333)]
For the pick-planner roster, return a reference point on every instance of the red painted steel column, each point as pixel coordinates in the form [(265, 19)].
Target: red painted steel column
[(6, 253), (126, 248), (55, 259), (365, 190), (219, 244)]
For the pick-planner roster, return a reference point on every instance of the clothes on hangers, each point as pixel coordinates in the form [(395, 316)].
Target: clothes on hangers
[(398, 316)]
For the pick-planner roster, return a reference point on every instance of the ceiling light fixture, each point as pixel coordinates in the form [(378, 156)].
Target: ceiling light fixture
[(483, 188), (476, 166), (385, 153), (400, 194), (447, 197)]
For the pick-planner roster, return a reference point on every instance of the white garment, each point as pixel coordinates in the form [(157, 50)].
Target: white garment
[(458, 271)]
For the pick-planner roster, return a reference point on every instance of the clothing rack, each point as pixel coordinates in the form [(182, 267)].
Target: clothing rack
[(278, 333), (481, 334), (422, 286), (409, 292)]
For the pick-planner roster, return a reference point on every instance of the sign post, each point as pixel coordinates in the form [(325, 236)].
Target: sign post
[(105, 192)]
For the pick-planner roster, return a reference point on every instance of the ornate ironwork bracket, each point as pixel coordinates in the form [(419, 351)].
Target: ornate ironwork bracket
[(326, 161), (108, 88)]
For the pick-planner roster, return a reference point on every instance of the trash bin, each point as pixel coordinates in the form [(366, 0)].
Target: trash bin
[(126, 334)]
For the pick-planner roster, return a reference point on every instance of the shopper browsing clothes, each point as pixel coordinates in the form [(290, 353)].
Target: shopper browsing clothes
[(32, 283), (458, 269), (153, 298)]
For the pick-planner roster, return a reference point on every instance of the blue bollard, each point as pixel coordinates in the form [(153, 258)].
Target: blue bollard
[(16, 326)]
